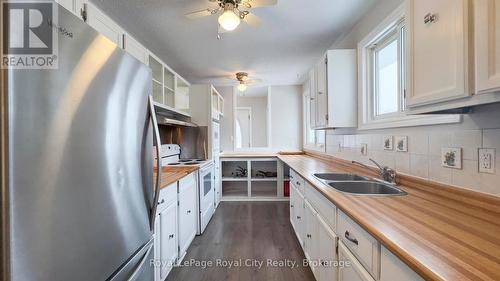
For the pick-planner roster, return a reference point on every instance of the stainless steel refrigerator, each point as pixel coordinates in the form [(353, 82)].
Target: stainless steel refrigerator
[(77, 170)]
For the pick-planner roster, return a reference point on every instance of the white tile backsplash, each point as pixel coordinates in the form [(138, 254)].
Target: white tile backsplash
[(424, 154)]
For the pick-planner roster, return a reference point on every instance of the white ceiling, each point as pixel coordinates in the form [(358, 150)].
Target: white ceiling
[(292, 37)]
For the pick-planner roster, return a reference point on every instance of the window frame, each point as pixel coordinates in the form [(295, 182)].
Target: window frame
[(367, 118)]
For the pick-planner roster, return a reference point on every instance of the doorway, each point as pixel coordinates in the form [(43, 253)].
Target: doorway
[(243, 127)]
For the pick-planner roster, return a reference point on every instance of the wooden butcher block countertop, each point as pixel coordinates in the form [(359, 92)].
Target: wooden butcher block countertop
[(441, 232), (171, 174)]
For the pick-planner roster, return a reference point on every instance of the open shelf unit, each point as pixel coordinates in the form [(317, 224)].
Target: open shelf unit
[(252, 179)]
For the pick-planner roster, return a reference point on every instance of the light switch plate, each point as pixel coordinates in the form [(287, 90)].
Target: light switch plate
[(487, 160), (451, 157)]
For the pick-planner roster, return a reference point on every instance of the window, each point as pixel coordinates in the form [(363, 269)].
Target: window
[(387, 69), (382, 63)]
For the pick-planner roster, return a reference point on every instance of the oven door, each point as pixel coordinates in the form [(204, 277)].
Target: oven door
[(207, 196)]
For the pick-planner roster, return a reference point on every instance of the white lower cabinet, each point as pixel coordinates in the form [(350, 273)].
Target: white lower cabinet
[(327, 252), (311, 243), (187, 213), (330, 238), (353, 270), (393, 269), (166, 240)]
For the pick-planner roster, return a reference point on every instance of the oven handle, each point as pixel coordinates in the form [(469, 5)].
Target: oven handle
[(157, 141)]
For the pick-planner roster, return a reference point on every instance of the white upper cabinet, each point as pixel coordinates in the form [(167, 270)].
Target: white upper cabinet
[(487, 45), (104, 24), (321, 93), (438, 51), (342, 79), (135, 48), (333, 90), (74, 6)]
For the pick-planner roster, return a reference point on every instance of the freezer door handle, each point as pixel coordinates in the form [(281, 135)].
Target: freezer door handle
[(137, 271), (157, 142)]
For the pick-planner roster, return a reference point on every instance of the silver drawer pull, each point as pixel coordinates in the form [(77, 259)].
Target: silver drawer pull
[(348, 237)]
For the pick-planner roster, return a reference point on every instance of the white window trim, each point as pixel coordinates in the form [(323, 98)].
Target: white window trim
[(366, 119)]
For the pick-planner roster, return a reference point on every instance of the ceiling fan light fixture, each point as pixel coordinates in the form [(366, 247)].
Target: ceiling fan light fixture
[(229, 20), (242, 87)]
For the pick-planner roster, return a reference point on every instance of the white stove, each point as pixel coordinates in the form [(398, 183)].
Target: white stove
[(170, 156)]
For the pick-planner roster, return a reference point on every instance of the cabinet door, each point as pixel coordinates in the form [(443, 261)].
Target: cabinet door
[(104, 25), (135, 48), (327, 252), (321, 93), (168, 239), (300, 219), (313, 98), (438, 51), (354, 271), (312, 240), (74, 6), (187, 216), (487, 45)]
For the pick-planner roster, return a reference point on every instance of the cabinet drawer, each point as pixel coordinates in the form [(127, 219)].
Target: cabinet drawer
[(361, 243), (354, 271), (297, 181), (168, 195), (187, 181), (323, 206)]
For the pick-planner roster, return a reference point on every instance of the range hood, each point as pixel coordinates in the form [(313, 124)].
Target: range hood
[(172, 117)]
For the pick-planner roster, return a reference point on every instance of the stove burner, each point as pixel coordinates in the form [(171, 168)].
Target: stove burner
[(173, 164)]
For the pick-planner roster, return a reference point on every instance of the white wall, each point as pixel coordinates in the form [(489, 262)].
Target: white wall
[(259, 118), (479, 129), (285, 107), (227, 122)]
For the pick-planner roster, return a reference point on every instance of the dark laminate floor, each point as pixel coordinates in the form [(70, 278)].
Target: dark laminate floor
[(246, 231)]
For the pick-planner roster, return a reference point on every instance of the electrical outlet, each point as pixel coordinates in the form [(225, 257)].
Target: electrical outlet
[(364, 149), (487, 160)]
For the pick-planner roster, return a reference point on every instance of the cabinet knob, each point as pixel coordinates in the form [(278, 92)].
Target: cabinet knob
[(170, 236), (291, 206), (309, 236), (298, 217), (161, 202), (430, 18), (189, 211)]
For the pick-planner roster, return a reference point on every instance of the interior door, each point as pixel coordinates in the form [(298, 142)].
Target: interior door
[(243, 127)]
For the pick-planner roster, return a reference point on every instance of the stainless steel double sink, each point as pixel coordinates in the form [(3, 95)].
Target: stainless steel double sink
[(354, 184)]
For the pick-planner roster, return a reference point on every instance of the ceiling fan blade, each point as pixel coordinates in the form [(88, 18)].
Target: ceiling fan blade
[(259, 3), (252, 20), (200, 13), (253, 81)]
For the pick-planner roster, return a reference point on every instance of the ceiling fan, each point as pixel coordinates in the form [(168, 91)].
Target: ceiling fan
[(244, 81), (232, 12)]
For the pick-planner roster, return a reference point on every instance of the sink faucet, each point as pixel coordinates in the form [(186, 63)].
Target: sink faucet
[(386, 173)]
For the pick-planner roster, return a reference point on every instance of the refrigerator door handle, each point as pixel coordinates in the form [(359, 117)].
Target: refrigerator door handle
[(137, 271), (157, 142)]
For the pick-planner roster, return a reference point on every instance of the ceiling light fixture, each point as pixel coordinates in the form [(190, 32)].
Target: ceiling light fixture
[(242, 87), (229, 20)]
